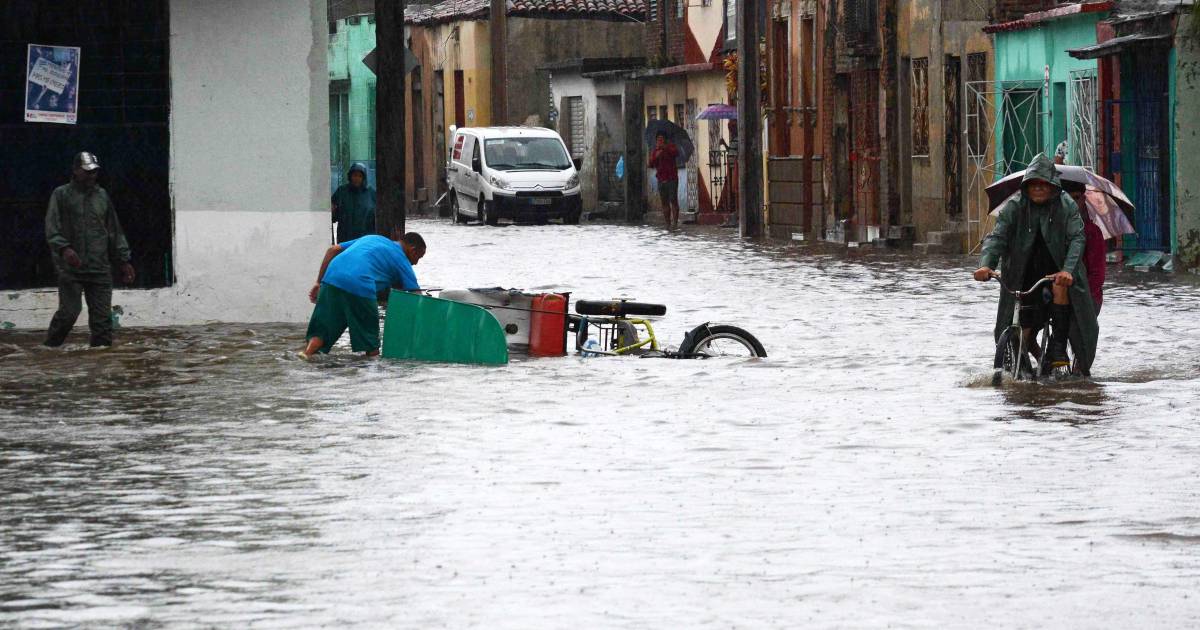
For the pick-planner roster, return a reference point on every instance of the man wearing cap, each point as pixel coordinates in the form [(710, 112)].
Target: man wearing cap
[(86, 243)]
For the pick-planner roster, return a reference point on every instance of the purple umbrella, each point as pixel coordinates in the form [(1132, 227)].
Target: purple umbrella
[(720, 111)]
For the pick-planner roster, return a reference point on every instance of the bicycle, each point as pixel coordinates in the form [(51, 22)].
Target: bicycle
[(1012, 357), (622, 327)]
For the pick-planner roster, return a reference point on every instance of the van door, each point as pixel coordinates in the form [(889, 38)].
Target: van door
[(471, 179), (461, 177)]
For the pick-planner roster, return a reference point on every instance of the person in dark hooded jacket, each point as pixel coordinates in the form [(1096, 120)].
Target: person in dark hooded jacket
[(354, 206), (1039, 232)]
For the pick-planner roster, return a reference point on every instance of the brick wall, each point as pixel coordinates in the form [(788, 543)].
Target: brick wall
[(673, 51)]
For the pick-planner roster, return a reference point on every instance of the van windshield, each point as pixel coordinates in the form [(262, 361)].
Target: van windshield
[(525, 154)]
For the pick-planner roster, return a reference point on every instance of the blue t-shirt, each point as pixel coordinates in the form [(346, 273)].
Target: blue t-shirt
[(370, 265)]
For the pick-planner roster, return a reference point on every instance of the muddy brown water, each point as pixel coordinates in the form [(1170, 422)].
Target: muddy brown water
[(866, 474)]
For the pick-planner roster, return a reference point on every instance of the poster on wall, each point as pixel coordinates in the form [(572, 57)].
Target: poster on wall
[(52, 84)]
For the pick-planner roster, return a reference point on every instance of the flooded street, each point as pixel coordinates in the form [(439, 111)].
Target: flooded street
[(866, 474)]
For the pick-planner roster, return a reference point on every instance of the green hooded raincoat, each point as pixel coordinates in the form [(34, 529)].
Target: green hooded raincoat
[(1010, 245)]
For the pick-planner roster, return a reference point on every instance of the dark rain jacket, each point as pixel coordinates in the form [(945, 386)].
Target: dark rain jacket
[(84, 220), (1011, 242), (354, 208)]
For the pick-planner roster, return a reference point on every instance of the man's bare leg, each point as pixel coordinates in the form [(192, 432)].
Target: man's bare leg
[(313, 346)]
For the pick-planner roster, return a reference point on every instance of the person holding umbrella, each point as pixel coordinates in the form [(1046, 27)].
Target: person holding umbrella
[(1093, 250), (1039, 232), (662, 160)]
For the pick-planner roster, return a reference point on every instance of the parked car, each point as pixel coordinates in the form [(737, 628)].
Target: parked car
[(523, 174)]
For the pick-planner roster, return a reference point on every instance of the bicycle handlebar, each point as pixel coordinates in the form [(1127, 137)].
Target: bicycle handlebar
[(1017, 292)]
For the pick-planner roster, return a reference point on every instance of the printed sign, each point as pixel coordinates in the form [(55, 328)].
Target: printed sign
[(52, 84)]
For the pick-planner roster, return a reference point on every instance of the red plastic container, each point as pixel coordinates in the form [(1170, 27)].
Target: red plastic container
[(548, 326)]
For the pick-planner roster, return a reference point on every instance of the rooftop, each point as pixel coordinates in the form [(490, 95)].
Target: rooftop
[(457, 10), (1030, 20)]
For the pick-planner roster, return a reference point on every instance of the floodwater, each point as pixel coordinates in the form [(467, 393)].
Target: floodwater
[(866, 474)]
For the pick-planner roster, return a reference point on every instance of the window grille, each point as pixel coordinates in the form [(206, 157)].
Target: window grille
[(575, 111), (652, 11), (919, 88), (977, 73)]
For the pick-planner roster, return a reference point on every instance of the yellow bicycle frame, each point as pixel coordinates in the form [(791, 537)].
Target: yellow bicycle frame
[(650, 339)]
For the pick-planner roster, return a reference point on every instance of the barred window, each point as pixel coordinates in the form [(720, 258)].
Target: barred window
[(652, 11), (575, 118), (977, 73), (679, 4), (859, 21), (919, 89)]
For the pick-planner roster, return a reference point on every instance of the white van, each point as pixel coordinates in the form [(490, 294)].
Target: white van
[(517, 173)]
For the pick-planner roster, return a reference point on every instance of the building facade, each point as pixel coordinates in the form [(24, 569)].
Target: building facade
[(945, 59), (687, 47), (219, 169), (351, 96), (795, 142), (1148, 102), (595, 106), (452, 84)]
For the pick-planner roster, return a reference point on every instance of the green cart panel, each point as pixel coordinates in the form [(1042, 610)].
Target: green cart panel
[(424, 328)]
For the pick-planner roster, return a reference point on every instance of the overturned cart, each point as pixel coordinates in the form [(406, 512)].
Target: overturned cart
[(484, 325)]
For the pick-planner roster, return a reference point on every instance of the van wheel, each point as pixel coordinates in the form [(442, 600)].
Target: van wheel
[(485, 216), (572, 219), (455, 210)]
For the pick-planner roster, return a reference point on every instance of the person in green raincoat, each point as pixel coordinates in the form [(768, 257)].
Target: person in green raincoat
[(1039, 233), (353, 206)]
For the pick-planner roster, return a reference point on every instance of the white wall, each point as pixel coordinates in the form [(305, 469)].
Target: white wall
[(570, 83), (249, 168)]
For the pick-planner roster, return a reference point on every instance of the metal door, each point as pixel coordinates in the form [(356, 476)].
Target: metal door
[(693, 163), (1150, 219), (953, 156), (864, 119), (1084, 110), (1134, 143)]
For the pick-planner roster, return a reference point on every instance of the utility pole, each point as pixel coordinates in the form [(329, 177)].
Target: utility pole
[(391, 141), (498, 32), (749, 159)]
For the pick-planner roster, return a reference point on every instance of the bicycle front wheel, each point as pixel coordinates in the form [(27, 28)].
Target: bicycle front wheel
[(721, 340), (1008, 349)]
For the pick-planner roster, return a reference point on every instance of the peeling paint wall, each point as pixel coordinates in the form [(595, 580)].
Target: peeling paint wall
[(934, 30), (596, 136), (249, 168), (535, 42), (1186, 148)]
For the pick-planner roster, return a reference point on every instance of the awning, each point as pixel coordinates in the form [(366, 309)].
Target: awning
[(1119, 45)]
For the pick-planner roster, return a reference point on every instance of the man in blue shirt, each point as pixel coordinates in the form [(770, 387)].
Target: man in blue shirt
[(352, 275)]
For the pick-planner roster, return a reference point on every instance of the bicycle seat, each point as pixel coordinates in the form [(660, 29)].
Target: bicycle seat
[(619, 308)]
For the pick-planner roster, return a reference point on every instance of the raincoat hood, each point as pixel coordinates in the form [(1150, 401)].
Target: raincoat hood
[(1041, 167), (358, 167)]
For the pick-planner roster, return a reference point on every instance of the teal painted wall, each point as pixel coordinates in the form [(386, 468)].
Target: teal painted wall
[(1022, 56), (352, 112)]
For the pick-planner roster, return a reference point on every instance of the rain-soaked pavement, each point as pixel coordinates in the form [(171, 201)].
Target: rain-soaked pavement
[(865, 475)]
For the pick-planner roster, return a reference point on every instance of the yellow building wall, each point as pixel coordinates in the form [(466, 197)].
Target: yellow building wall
[(706, 88)]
